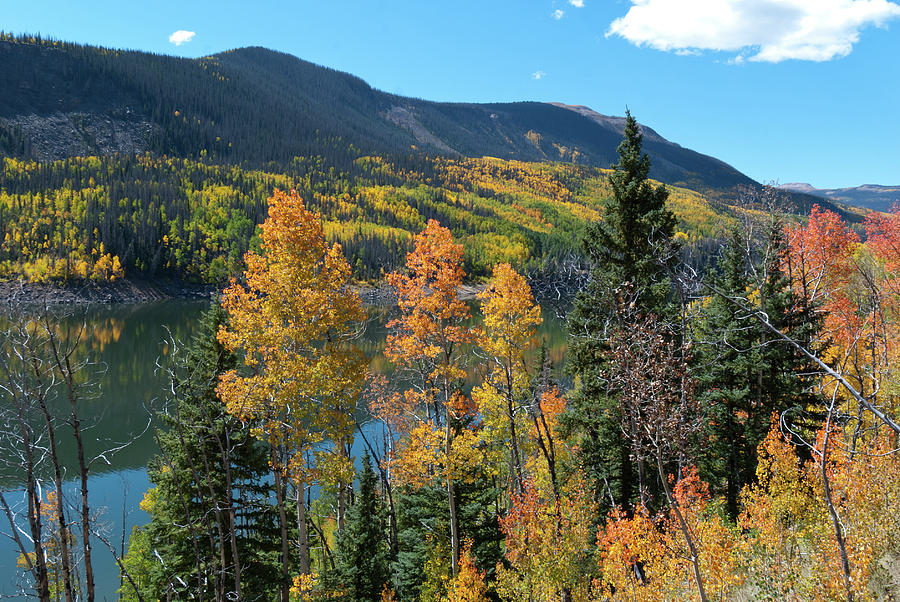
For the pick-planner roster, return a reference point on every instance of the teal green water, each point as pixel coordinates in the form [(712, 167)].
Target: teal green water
[(126, 342)]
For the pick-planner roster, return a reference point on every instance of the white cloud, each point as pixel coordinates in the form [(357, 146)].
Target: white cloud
[(182, 37), (757, 30), (577, 3), (538, 75), (558, 14)]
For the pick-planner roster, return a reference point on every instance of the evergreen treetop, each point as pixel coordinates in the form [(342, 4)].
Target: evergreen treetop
[(626, 246), (628, 251)]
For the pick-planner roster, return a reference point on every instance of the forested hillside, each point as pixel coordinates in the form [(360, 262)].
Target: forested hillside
[(123, 163), (71, 219), (256, 105)]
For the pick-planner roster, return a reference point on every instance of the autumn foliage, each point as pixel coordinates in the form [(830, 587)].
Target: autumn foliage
[(291, 319), (469, 405)]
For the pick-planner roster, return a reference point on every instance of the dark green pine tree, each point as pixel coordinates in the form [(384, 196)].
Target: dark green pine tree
[(628, 245), (628, 251), (420, 518), (362, 562), (210, 509), (745, 375), (727, 364)]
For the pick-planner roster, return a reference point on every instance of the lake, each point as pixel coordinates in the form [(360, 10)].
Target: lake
[(126, 341)]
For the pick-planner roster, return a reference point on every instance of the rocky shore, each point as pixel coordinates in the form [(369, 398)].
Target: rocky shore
[(383, 294), (122, 291), (142, 291)]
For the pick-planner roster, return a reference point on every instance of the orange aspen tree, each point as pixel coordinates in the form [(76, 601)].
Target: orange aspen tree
[(293, 320), (818, 258), (469, 585), (549, 541), (832, 283), (835, 277), (646, 558), (427, 341), (883, 238), (845, 282)]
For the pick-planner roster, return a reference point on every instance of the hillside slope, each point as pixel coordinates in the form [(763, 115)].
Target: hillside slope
[(258, 106), (139, 216)]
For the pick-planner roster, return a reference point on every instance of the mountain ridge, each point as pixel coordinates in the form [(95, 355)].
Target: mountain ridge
[(107, 101), (257, 107), (869, 196)]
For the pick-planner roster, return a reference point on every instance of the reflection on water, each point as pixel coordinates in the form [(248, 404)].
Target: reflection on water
[(126, 342), (123, 344)]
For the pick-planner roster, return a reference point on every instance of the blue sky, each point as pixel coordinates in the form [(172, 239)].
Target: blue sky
[(784, 90)]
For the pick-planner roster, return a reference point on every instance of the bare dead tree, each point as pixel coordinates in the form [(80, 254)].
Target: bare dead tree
[(43, 379), (648, 370), (556, 282)]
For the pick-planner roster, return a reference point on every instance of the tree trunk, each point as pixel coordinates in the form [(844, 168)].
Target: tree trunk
[(733, 483), (451, 498), (639, 460), (832, 511), (198, 486), (302, 531), (64, 366), (42, 581), (282, 524), (513, 439), (549, 452), (189, 520), (342, 505), (230, 509), (62, 527), (386, 482), (217, 514), (42, 577)]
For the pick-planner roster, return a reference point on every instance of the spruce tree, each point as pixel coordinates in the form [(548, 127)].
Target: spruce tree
[(627, 245), (628, 251), (744, 375), (727, 363), (420, 520), (422, 528), (362, 559), (210, 503)]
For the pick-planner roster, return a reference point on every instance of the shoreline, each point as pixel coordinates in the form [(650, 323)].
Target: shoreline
[(14, 292), (128, 291)]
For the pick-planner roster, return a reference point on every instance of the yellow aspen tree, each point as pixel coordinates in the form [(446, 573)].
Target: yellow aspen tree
[(292, 320), (509, 331)]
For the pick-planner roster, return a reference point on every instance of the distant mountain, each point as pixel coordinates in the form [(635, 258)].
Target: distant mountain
[(261, 109), (869, 196), (256, 105)]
